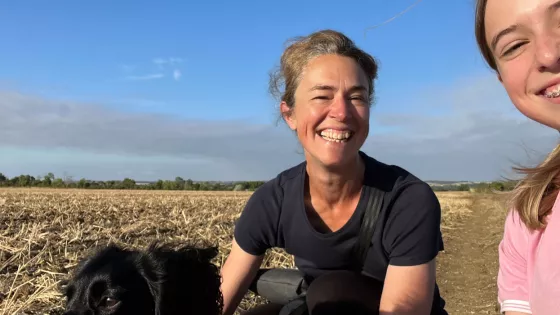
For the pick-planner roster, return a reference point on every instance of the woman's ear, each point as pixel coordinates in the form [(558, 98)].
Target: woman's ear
[(288, 115)]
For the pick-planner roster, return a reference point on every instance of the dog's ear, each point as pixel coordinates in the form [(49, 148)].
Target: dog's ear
[(153, 274), (92, 255), (200, 254), (108, 251)]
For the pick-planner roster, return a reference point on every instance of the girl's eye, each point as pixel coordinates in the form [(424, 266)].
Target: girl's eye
[(512, 49)]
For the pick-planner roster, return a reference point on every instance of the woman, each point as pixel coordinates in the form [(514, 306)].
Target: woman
[(521, 43), (314, 209)]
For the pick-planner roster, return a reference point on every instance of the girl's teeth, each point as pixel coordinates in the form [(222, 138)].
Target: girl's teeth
[(552, 93)]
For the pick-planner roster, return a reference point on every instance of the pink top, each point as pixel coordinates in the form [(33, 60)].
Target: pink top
[(529, 274)]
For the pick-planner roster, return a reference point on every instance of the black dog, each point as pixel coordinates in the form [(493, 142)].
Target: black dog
[(159, 281)]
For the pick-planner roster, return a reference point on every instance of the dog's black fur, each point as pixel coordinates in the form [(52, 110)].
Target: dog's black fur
[(158, 281)]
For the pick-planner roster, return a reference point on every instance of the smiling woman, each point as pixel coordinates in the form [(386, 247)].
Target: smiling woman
[(317, 209)]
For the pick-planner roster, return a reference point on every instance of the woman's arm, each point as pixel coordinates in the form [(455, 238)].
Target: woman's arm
[(408, 290), (255, 232), (412, 239), (238, 271)]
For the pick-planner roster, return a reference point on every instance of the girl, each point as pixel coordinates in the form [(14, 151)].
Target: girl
[(520, 40)]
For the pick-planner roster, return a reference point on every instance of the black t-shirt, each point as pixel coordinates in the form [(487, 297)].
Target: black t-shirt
[(407, 231)]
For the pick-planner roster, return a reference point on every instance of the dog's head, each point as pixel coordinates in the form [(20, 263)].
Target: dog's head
[(158, 281)]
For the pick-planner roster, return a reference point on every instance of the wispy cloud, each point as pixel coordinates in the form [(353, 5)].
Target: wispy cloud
[(177, 74), (164, 65), (145, 77), (172, 61), (475, 138)]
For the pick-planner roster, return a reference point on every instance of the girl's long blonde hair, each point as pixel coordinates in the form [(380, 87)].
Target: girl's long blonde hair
[(533, 197)]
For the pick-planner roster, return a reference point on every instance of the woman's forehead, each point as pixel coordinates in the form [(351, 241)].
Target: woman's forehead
[(330, 70)]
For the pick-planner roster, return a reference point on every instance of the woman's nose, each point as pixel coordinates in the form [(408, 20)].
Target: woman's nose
[(341, 108)]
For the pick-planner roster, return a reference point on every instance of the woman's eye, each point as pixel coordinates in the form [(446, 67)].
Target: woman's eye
[(358, 98)]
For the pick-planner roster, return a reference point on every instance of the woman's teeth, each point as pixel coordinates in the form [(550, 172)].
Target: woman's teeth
[(336, 136)]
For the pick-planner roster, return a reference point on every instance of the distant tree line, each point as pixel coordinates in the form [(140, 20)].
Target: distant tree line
[(505, 185), (179, 183)]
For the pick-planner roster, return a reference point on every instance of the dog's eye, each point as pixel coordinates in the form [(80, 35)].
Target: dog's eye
[(109, 302)]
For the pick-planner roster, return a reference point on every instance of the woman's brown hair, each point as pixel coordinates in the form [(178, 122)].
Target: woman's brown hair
[(303, 49), (533, 197)]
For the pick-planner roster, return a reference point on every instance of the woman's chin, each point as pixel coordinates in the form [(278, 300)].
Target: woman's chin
[(336, 160)]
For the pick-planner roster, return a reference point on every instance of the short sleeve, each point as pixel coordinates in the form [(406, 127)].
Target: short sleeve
[(256, 229), (513, 289), (412, 233)]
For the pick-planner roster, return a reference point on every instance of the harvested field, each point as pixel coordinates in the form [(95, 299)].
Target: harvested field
[(43, 233)]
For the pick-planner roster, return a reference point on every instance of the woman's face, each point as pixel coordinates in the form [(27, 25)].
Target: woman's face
[(524, 38), (331, 112)]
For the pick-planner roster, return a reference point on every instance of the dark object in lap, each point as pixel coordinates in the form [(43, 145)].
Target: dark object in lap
[(337, 292), (278, 285), (344, 292)]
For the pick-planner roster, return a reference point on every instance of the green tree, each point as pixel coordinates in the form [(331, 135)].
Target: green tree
[(25, 180), (179, 183), (58, 183), (128, 183), (499, 186), (48, 179), (159, 184), (82, 183)]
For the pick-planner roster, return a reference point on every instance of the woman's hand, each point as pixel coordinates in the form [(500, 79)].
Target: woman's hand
[(408, 290), (237, 272)]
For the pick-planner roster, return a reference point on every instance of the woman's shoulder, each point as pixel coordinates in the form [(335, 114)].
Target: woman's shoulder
[(257, 226), (393, 178), (275, 188)]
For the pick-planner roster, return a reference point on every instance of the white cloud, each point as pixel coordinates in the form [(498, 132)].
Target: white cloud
[(161, 62), (470, 132), (145, 77), (176, 74)]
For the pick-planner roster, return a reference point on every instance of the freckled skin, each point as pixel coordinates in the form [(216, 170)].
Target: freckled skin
[(336, 108), (529, 57)]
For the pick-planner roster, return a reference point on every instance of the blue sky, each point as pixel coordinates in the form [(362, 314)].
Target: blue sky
[(109, 70)]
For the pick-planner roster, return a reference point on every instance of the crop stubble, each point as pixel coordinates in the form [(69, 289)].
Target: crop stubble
[(44, 232)]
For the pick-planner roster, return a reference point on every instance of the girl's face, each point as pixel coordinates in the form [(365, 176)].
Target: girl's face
[(524, 38)]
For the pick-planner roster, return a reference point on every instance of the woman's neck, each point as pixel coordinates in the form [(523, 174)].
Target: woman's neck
[(333, 187)]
